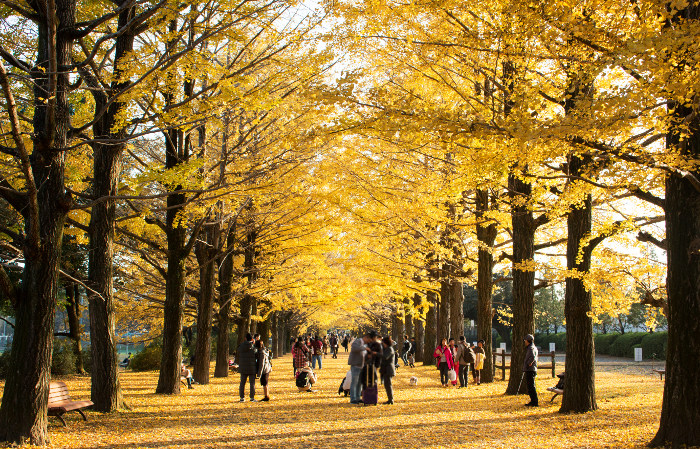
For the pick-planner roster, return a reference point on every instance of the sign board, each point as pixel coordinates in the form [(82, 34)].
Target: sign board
[(474, 343), (637, 354), (552, 347), (503, 347)]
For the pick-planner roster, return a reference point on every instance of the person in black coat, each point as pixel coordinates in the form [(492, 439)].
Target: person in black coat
[(387, 368), (247, 367)]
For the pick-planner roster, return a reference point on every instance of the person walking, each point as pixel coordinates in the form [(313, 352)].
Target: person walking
[(455, 366), (443, 354), (325, 346), (465, 357), (356, 360), (246, 367), (387, 369), (346, 342), (479, 355), (412, 353), (530, 369), (264, 367)]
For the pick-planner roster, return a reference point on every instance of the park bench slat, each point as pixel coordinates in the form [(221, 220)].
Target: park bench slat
[(60, 402)]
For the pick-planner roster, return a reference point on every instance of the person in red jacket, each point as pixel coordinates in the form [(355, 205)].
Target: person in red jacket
[(443, 354)]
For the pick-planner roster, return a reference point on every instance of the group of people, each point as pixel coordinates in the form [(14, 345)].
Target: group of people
[(254, 362), (367, 354), (455, 359), (316, 348)]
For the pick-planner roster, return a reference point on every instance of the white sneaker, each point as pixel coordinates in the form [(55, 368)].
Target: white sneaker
[(252, 400)]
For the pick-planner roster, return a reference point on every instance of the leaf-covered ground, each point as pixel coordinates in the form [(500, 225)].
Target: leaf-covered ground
[(424, 416)]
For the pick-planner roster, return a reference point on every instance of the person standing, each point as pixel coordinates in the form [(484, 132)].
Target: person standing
[(530, 369), (387, 369), (412, 353), (443, 354), (333, 341), (356, 360), (317, 351), (246, 367), (325, 346), (346, 342), (264, 367), (479, 355), (465, 357), (405, 350)]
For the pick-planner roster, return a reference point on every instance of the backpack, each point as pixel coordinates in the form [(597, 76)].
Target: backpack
[(302, 379), (469, 355)]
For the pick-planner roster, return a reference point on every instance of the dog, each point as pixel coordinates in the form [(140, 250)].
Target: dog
[(413, 381)]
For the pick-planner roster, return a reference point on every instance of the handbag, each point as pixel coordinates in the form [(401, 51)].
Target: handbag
[(452, 375)]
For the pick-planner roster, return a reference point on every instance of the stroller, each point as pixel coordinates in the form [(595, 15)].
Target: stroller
[(558, 388)]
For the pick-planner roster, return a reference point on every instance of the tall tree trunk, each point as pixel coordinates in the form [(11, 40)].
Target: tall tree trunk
[(430, 329), (274, 328), (397, 323), (419, 325), (264, 330), (443, 319), (680, 409), (225, 298), (73, 313), (246, 310), (205, 250), (408, 319), (107, 165), (579, 383), (523, 225), (456, 309), (486, 234), (23, 413)]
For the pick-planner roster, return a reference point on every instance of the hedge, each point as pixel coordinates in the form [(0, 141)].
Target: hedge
[(543, 341), (604, 341), (623, 346), (654, 344)]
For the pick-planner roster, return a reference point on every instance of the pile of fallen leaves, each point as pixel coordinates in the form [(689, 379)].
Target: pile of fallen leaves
[(426, 415)]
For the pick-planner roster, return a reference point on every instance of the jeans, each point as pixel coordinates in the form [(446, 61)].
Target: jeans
[(241, 387), (444, 378), (313, 361), (404, 357), (355, 385), (463, 374), (389, 388), (530, 378)]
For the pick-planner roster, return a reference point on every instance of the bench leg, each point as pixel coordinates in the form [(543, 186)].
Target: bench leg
[(82, 414), (62, 420)]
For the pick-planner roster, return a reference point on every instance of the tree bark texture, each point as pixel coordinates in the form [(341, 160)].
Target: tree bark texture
[(456, 310), (680, 409), (73, 313), (486, 234), (443, 319), (430, 329), (408, 319), (523, 225), (107, 166), (205, 250), (579, 383), (23, 411), (225, 298), (397, 324), (173, 309)]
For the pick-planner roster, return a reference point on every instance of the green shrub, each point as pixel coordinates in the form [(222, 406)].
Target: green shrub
[(654, 344), (148, 359), (63, 358), (4, 363), (623, 346), (603, 342), (87, 359)]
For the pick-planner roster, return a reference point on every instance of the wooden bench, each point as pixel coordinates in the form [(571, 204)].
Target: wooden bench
[(556, 391), (660, 372), (60, 402)]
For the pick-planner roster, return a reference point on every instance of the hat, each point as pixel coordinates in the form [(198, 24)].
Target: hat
[(529, 338)]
